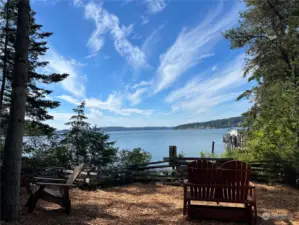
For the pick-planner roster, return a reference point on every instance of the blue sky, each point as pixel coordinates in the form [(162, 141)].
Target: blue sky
[(143, 62)]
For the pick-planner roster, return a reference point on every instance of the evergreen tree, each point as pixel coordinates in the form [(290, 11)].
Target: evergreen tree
[(77, 136), (102, 152), (269, 31), (10, 201), (36, 105), (88, 145)]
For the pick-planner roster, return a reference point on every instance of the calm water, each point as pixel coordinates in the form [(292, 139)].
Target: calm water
[(191, 142)]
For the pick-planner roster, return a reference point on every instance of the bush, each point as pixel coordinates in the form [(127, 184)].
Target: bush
[(136, 156)]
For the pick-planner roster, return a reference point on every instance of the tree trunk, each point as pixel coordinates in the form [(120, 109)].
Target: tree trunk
[(4, 71), (13, 143)]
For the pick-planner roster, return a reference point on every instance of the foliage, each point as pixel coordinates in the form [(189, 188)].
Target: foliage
[(222, 123), (102, 151), (237, 154), (208, 155), (44, 151), (81, 144), (76, 138), (269, 31), (88, 145), (181, 155), (136, 156), (37, 104)]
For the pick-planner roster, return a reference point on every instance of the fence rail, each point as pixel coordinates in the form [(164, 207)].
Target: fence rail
[(173, 170)]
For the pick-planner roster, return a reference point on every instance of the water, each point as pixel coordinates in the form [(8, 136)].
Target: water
[(190, 142)]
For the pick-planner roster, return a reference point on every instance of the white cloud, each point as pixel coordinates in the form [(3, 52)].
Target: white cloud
[(150, 43), (214, 68), (65, 116), (142, 84), (155, 6), (114, 103), (75, 83), (203, 103), (77, 3), (69, 99), (135, 97), (91, 56), (191, 46), (199, 95), (144, 20), (109, 23)]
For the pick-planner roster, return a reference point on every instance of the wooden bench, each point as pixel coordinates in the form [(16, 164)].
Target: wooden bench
[(230, 184)]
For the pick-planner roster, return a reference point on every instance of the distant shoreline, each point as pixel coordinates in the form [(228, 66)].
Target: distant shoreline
[(213, 124)]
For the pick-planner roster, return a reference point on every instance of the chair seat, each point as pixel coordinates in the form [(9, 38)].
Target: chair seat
[(212, 198), (56, 192)]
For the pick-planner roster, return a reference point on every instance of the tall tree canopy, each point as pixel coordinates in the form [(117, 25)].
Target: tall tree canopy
[(268, 30), (37, 104)]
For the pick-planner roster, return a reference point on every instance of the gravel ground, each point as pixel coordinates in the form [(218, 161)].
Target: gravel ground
[(151, 204)]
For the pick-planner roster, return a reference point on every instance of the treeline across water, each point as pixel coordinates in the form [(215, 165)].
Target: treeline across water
[(221, 123)]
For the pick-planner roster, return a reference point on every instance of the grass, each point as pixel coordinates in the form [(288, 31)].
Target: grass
[(150, 204)]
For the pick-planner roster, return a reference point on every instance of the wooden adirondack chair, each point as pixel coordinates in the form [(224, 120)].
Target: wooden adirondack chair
[(53, 190), (230, 183), (201, 174), (234, 177)]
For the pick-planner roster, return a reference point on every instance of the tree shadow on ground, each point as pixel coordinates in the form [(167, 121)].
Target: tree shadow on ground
[(141, 189)]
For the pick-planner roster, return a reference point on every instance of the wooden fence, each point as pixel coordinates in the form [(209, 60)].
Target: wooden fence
[(173, 170)]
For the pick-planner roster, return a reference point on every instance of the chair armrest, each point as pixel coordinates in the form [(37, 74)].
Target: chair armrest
[(49, 178), (55, 184)]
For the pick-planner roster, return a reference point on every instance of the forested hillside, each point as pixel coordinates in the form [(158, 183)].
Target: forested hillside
[(222, 123)]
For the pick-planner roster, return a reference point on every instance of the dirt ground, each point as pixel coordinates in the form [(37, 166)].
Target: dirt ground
[(151, 204)]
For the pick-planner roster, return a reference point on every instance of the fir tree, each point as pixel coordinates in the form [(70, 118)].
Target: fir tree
[(37, 105), (77, 136)]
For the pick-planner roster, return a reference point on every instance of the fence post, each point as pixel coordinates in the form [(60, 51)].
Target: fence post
[(172, 157), (213, 146), (172, 153)]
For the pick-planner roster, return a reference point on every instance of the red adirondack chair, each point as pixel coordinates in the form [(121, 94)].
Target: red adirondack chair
[(230, 183)]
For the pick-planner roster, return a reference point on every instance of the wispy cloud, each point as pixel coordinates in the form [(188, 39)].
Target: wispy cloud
[(151, 42), (192, 46), (199, 95), (69, 99), (155, 6), (141, 84), (114, 104), (136, 97), (109, 23), (144, 20), (75, 83), (77, 3)]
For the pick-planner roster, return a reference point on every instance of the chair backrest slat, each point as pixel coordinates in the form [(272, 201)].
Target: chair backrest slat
[(75, 174), (236, 176), (202, 172)]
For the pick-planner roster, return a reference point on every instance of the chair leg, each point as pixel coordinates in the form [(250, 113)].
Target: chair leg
[(33, 199), (31, 203), (249, 213), (255, 214), (184, 209), (66, 201)]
